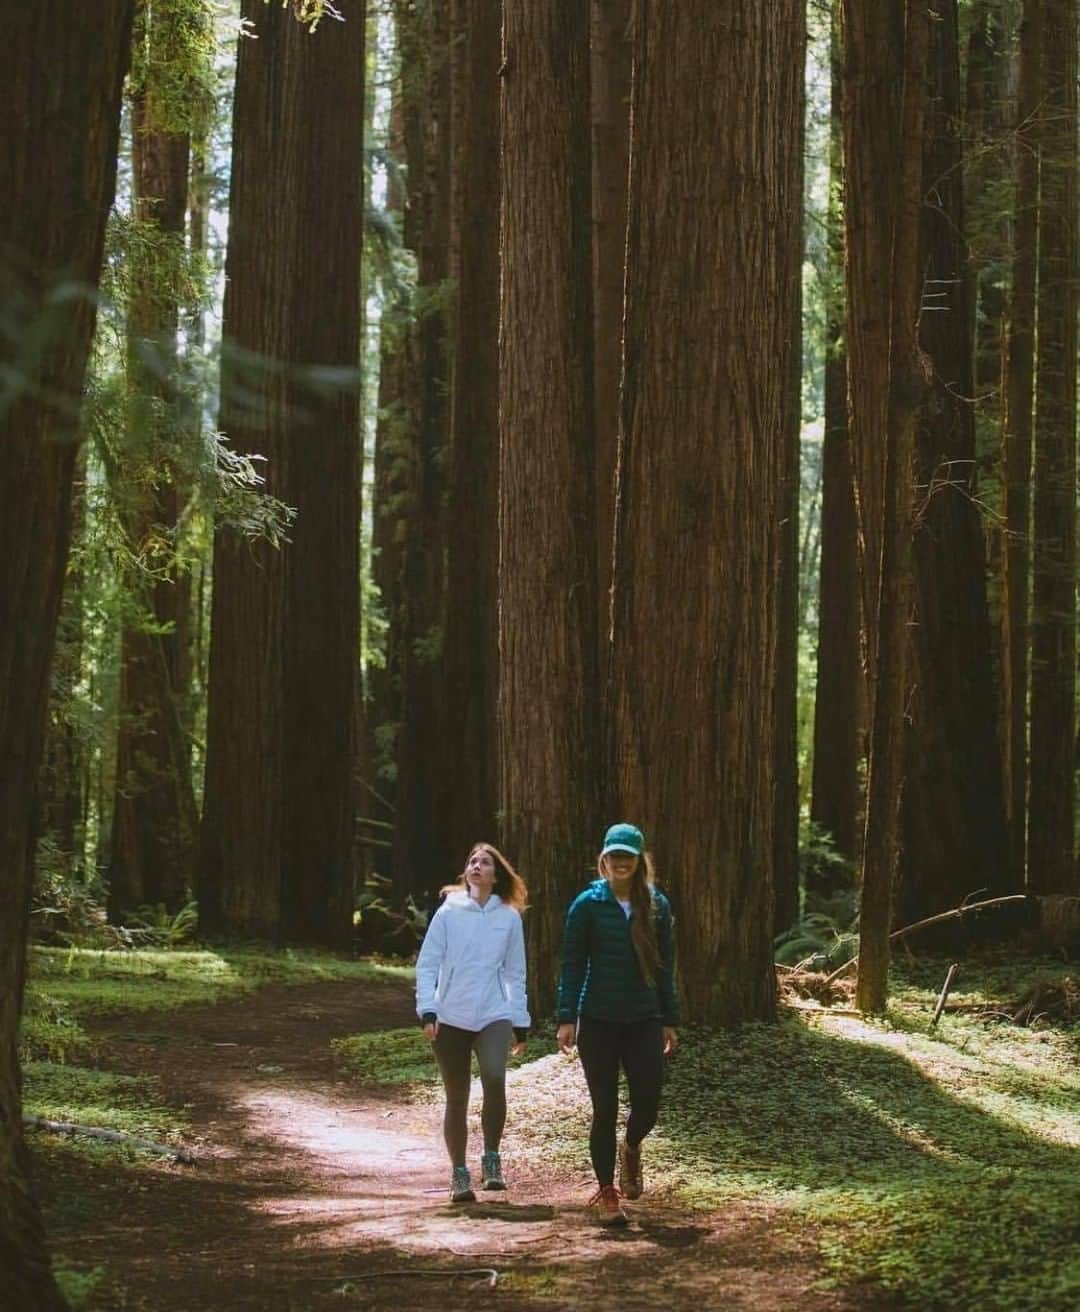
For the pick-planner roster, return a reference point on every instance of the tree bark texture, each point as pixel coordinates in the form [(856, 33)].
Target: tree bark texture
[(421, 860), (835, 795), (472, 540), (388, 525), (61, 73), (953, 825), (1018, 441), (610, 71), (1052, 865), (710, 297), (873, 41), (786, 678), (278, 823), (903, 275), (548, 695), (154, 815)]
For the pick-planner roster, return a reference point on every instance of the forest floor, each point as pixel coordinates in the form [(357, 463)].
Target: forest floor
[(311, 1187)]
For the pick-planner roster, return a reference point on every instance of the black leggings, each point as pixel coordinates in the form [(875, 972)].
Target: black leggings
[(638, 1046)]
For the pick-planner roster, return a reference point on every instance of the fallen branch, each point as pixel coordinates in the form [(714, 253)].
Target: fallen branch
[(954, 914), (957, 912), (944, 995), (109, 1136)]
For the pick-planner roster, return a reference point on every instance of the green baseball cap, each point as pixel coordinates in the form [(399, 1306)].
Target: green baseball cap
[(624, 838)]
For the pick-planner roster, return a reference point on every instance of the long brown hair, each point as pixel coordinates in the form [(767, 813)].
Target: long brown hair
[(643, 919), (508, 883)]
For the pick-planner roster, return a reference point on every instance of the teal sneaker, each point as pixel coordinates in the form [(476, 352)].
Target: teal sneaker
[(461, 1190), (491, 1171)]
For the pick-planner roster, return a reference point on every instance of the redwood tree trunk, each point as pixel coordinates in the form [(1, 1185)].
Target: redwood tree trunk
[(898, 268), (472, 633), (835, 798), (421, 859), (710, 297), (954, 838), (786, 678), (277, 830), (59, 163), (154, 816), (610, 69), (1018, 440), (548, 697), (1051, 836)]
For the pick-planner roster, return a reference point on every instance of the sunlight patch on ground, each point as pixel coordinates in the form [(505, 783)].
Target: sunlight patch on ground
[(987, 1083), (385, 1179)]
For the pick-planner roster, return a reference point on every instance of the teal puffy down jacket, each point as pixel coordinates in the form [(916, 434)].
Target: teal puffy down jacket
[(600, 976)]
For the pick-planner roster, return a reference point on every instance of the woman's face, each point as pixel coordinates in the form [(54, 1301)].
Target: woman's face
[(621, 865), (480, 872)]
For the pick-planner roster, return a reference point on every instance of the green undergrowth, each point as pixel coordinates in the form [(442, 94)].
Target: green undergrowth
[(69, 986), (404, 1057), (128, 1103), (942, 1164)]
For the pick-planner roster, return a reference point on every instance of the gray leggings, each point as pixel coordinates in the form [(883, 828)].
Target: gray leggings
[(453, 1052)]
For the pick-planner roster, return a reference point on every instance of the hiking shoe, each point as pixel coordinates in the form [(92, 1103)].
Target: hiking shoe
[(630, 1180), (607, 1205), (491, 1171), (461, 1186)]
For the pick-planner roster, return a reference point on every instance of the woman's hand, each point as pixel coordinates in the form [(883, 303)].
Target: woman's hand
[(430, 1030), (566, 1036), (671, 1040), (516, 1049)]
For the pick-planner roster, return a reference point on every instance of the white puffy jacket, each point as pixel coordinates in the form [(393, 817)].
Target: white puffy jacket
[(471, 967)]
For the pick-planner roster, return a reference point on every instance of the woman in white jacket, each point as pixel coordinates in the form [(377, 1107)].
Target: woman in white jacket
[(470, 997)]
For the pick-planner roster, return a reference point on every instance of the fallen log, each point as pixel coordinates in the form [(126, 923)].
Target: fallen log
[(69, 1128)]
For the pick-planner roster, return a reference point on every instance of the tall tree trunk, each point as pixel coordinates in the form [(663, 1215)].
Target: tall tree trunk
[(610, 70), (1051, 862), (1018, 440), (786, 679), (835, 798), (901, 142), (154, 815), (62, 803), (548, 696), (709, 297), (953, 825), (390, 481), (421, 859), (59, 160), (472, 633), (277, 830)]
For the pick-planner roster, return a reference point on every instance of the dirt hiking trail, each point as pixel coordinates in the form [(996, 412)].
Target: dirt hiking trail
[(310, 1188)]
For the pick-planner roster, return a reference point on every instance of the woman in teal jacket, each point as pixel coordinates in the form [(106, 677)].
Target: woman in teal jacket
[(617, 997)]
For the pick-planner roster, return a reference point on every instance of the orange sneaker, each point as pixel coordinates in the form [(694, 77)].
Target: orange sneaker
[(607, 1202), (630, 1179)]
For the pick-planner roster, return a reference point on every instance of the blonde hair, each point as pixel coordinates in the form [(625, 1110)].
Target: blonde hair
[(508, 883), (643, 919)]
